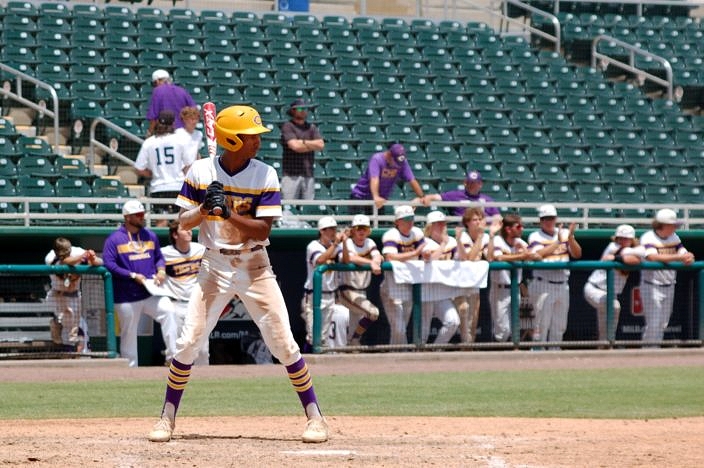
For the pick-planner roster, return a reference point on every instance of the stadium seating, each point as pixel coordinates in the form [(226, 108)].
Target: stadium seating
[(457, 93)]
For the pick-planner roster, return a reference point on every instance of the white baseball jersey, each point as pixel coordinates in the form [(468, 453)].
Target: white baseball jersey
[(314, 250), (540, 239), (467, 242), (193, 142), (253, 192), (450, 249), (182, 269), (394, 242), (64, 283), (359, 279), (654, 244), (598, 277), (166, 157), (501, 248)]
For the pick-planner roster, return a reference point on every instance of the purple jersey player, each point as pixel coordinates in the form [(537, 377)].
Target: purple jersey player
[(471, 193), (383, 171)]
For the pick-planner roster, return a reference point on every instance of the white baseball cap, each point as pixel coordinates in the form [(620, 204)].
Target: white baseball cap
[(666, 216), (435, 217), (545, 211), (403, 211), (626, 231), (160, 74), (361, 220), (132, 207), (326, 222)]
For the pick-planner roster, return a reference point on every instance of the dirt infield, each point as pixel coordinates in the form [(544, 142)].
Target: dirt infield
[(359, 441)]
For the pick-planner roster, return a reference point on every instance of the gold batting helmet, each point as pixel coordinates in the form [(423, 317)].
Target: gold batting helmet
[(237, 120)]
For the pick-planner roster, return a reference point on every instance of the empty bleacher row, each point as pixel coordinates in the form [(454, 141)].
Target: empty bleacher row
[(459, 96)]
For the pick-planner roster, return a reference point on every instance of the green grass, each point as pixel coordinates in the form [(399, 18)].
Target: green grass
[(620, 394)]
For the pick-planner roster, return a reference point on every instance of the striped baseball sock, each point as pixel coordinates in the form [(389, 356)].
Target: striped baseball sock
[(362, 326), (178, 378), (303, 384)]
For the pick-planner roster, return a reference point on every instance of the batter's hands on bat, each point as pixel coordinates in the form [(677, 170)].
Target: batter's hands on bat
[(215, 198)]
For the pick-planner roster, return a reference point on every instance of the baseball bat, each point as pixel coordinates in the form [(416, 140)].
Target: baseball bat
[(209, 113)]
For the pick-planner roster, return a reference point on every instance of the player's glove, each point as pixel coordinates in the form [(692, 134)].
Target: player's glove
[(215, 201)]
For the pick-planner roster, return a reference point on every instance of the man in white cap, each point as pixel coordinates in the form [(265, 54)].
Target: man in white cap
[(657, 287), (133, 255), (401, 243), (360, 250), (550, 290), (325, 249), (166, 96), (622, 248)]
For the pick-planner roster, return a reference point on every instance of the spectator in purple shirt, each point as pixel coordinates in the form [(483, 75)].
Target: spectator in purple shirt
[(471, 193), (383, 171), (133, 255), (166, 96)]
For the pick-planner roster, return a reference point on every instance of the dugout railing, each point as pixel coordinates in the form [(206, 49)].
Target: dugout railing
[(110, 337), (516, 343)]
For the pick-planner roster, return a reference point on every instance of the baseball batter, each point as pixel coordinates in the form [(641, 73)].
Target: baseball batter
[(246, 193), (361, 250), (661, 244), (401, 243), (624, 248), (550, 290)]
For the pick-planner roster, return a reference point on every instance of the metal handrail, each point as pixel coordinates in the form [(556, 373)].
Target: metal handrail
[(94, 143), (630, 66), (20, 76)]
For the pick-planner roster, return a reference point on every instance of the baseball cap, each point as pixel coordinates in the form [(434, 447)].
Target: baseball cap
[(474, 176), (361, 220), (160, 74), (326, 222), (666, 216), (132, 207), (435, 217), (546, 211), (166, 117), (299, 103), (398, 152), (403, 211), (626, 231)]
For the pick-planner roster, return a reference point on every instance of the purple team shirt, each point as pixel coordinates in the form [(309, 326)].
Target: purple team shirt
[(124, 254), (388, 175), (462, 195), (168, 96)]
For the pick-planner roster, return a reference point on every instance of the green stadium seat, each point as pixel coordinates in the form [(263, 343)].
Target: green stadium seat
[(660, 193), (83, 10), (564, 192), (526, 192), (8, 169), (109, 188), (73, 187)]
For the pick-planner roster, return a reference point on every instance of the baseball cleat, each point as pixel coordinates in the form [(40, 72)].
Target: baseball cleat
[(162, 431), (316, 431)]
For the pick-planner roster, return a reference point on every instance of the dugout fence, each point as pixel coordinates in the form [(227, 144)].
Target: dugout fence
[(688, 309), (25, 313)]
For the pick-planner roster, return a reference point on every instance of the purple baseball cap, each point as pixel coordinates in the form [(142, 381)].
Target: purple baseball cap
[(474, 176), (398, 152)]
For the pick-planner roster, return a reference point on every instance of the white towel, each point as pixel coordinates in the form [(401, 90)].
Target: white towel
[(451, 273)]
